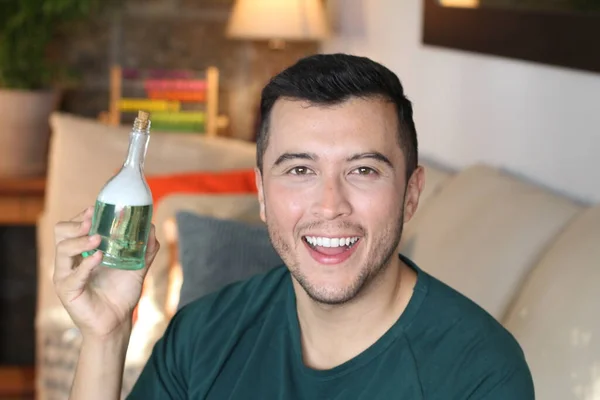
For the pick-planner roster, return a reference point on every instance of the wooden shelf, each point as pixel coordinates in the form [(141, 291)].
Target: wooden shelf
[(17, 382), (27, 185), (21, 200)]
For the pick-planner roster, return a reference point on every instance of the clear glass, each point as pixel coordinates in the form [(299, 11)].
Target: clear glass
[(123, 212)]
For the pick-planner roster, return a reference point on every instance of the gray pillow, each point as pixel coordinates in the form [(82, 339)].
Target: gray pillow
[(216, 252)]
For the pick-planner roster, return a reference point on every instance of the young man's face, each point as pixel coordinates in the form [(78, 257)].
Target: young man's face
[(333, 193)]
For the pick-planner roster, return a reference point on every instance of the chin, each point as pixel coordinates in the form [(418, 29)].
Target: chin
[(331, 296), (327, 288)]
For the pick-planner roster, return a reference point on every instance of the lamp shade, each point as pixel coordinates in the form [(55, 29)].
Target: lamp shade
[(460, 3), (278, 19)]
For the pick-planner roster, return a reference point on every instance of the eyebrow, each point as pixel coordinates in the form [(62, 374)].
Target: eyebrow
[(374, 155), (295, 156)]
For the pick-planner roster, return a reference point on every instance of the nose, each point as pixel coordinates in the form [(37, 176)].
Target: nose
[(331, 200)]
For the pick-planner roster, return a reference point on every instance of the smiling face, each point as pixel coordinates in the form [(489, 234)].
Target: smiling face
[(333, 193)]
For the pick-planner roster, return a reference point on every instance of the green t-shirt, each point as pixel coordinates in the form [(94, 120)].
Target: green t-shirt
[(243, 342)]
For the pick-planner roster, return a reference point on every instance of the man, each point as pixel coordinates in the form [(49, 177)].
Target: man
[(346, 317)]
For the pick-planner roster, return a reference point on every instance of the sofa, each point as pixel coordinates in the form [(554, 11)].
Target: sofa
[(528, 256)]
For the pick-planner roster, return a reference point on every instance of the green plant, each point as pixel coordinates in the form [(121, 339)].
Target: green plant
[(27, 27)]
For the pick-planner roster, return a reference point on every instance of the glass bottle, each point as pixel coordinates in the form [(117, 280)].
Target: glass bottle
[(123, 212)]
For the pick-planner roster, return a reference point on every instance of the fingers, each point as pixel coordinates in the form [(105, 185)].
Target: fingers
[(153, 247), (85, 214), (78, 226), (150, 256), (67, 250), (152, 242), (73, 284), (68, 230)]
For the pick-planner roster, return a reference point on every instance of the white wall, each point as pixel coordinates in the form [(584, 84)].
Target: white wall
[(538, 121)]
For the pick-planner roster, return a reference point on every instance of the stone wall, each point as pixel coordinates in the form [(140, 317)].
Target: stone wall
[(188, 34)]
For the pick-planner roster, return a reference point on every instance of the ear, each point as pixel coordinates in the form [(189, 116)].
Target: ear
[(261, 194), (414, 188)]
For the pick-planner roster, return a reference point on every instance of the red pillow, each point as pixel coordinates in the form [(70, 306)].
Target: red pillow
[(217, 182)]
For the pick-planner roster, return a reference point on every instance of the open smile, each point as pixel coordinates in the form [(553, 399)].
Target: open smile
[(331, 250)]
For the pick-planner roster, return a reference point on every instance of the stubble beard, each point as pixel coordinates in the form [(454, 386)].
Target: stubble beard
[(378, 259)]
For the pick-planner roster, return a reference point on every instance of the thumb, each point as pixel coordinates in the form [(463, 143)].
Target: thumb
[(151, 251)]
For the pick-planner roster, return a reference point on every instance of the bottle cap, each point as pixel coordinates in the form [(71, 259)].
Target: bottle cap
[(142, 122), (143, 115)]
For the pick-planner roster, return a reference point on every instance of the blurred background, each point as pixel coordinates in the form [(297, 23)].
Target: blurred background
[(514, 85)]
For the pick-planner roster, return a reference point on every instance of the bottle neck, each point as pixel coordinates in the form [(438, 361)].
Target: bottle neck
[(138, 144)]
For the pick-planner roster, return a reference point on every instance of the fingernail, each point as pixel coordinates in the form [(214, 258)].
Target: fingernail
[(92, 238)]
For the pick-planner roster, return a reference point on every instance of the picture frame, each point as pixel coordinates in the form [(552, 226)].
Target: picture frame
[(565, 39)]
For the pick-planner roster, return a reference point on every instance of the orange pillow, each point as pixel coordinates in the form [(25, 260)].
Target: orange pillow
[(217, 182)]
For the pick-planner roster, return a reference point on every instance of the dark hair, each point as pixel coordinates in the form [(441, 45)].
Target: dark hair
[(332, 79)]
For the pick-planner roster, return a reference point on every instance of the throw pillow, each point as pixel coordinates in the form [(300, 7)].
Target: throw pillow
[(216, 252), (165, 277), (213, 182)]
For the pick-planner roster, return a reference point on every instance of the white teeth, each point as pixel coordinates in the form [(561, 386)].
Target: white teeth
[(330, 242)]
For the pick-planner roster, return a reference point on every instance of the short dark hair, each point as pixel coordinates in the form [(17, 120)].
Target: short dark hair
[(332, 79)]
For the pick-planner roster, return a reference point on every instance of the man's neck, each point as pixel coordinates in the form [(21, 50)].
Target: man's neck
[(332, 335)]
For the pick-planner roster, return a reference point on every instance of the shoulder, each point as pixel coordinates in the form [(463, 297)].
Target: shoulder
[(459, 321), (453, 310), (457, 343)]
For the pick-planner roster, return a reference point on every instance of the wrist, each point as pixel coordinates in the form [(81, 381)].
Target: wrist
[(110, 349), (117, 335)]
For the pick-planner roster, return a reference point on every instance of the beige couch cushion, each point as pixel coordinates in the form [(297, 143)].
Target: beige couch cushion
[(556, 317), (435, 178), (84, 154), (483, 232)]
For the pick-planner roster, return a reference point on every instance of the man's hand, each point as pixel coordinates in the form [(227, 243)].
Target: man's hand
[(100, 300)]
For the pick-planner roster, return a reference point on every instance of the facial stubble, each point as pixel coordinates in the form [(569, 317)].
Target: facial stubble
[(383, 250)]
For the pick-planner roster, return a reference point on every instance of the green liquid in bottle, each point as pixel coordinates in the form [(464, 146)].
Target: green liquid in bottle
[(124, 231)]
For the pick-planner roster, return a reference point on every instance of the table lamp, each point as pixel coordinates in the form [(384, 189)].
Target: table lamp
[(278, 21)]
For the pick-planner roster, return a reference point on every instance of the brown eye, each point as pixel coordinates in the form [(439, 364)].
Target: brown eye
[(364, 171), (299, 171)]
